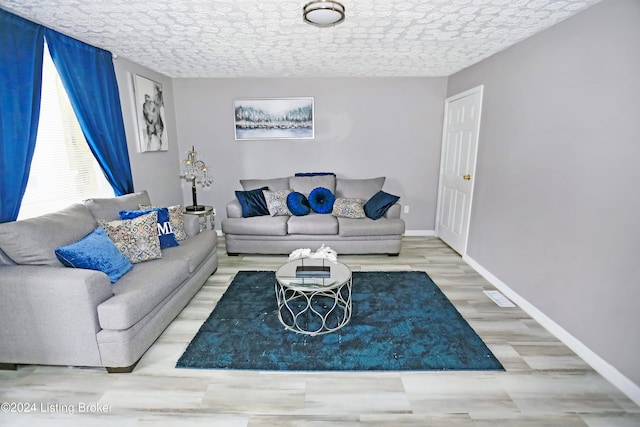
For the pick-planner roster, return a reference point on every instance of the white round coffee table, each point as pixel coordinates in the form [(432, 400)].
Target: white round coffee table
[(312, 305)]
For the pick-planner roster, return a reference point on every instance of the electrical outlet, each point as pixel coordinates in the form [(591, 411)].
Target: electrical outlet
[(406, 208)]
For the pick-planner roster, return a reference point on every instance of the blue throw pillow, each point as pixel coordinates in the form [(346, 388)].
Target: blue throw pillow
[(379, 204), (321, 200), (314, 173), (298, 204), (253, 202), (165, 231), (95, 251)]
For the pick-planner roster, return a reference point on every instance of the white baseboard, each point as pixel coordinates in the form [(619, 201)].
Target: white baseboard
[(420, 233), (600, 365)]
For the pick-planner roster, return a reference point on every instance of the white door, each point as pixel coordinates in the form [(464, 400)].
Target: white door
[(457, 167)]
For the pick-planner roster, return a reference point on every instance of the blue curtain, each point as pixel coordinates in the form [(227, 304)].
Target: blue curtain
[(89, 78), (21, 47)]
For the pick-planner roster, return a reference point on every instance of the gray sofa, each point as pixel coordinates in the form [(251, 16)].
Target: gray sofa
[(282, 234), (53, 315)]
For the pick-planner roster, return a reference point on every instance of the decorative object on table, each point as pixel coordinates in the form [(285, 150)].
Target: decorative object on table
[(196, 171), (401, 321), (312, 271), (299, 254), (323, 13), (274, 118), (149, 102), (323, 252)]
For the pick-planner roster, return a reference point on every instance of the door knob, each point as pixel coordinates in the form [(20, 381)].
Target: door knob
[(467, 177)]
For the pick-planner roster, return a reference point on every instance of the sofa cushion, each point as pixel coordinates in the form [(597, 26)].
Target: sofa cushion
[(95, 251), (5, 260), (277, 202), (33, 241), (305, 184), (379, 204), (257, 225), (195, 250), (298, 204), (359, 188), (313, 224), (394, 211), (321, 200), (348, 208), (273, 184), (350, 227), (253, 202), (165, 231), (136, 238), (107, 208), (140, 291), (234, 209)]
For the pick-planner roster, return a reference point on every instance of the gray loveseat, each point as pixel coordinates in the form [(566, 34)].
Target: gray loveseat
[(283, 232), (53, 315)]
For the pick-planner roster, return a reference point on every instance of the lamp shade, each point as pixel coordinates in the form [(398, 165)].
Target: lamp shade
[(323, 13)]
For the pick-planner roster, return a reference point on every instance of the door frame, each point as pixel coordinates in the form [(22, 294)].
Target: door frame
[(447, 102)]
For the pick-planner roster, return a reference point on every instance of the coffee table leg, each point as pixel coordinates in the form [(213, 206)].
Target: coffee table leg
[(314, 312)]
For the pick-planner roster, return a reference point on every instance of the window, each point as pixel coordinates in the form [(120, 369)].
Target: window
[(63, 170)]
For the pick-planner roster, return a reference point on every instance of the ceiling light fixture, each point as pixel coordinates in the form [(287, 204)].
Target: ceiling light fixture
[(323, 13)]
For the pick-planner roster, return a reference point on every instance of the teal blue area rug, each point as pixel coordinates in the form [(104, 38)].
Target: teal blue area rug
[(401, 321)]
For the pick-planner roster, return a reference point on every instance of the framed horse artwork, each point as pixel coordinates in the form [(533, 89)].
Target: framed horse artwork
[(150, 115)]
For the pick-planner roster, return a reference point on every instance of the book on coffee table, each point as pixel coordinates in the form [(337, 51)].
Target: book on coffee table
[(323, 271)]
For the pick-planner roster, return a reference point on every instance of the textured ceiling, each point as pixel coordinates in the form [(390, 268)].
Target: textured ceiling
[(267, 38)]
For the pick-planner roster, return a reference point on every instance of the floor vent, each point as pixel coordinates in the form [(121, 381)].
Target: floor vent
[(499, 299)]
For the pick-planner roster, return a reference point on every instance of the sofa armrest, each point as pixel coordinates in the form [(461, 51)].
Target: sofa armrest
[(191, 225), (394, 211), (49, 314), (234, 209)]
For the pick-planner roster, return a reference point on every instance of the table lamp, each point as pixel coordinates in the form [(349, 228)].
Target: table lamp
[(197, 172)]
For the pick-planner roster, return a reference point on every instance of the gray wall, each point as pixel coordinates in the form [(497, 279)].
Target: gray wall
[(555, 209), (364, 128), (556, 202), (157, 172)]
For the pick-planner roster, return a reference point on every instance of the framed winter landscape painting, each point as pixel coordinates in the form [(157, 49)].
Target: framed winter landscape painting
[(274, 118), (152, 133)]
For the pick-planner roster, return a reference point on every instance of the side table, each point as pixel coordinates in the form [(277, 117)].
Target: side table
[(206, 218)]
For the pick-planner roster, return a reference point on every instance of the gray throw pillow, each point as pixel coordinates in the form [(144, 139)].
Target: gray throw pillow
[(107, 208), (273, 184), (359, 188), (305, 184)]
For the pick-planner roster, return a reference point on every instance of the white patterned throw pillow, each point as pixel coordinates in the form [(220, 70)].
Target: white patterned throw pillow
[(277, 202), (348, 208), (137, 239)]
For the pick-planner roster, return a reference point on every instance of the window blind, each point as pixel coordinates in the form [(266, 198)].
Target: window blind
[(63, 170)]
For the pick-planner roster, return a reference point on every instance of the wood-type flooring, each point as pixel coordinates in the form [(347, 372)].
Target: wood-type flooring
[(545, 383)]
